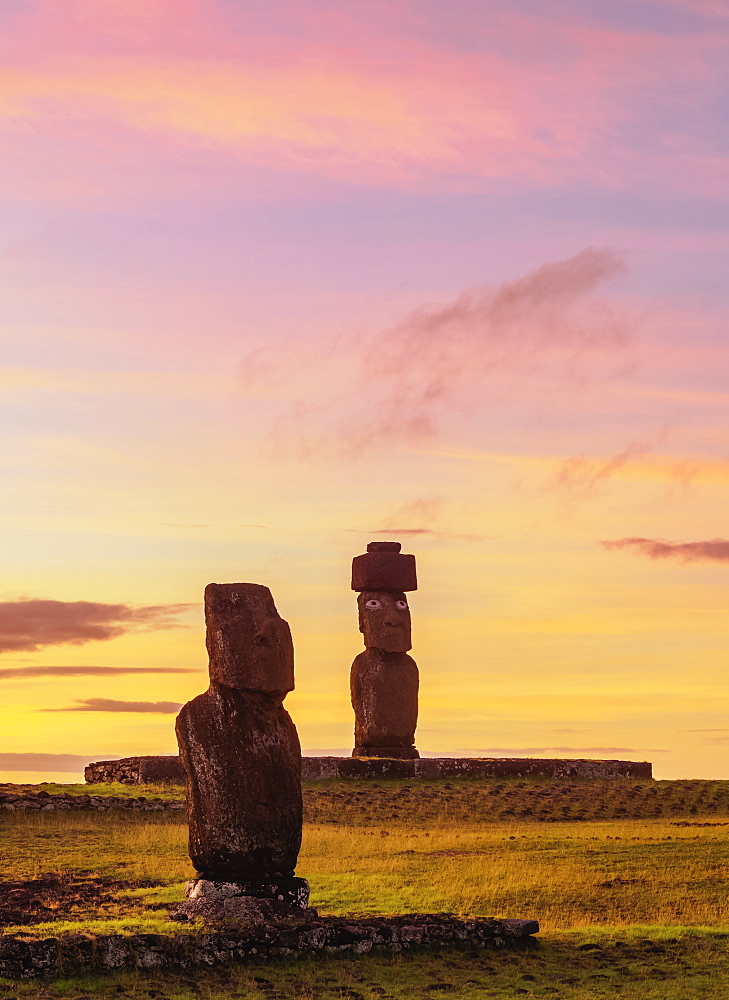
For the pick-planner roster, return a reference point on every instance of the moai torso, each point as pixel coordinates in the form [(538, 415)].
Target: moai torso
[(384, 689), (384, 679), (238, 744)]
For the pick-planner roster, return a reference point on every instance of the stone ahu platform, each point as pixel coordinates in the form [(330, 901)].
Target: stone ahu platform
[(141, 770), (68, 954)]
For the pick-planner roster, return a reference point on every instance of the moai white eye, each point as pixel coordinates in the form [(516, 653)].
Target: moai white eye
[(402, 605), (373, 604)]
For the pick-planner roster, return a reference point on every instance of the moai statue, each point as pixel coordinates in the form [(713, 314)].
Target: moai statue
[(384, 679), (242, 757)]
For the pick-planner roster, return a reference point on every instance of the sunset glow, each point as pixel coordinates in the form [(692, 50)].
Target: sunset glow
[(283, 278)]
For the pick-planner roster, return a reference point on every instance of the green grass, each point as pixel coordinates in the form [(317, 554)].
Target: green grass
[(363, 859), (649, 892), (644, 965)]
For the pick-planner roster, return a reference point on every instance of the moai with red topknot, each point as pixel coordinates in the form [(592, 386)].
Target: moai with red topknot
[(384, 679)]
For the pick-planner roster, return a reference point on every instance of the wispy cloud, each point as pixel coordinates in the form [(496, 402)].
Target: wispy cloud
[(541, 751), (30, 624), (404, 385), (578, 477), (710, 739), (425, 517), (83, 670), (182, 524), (520, 751), (69, 762), (110, 705), (353, 94), (429, 532), (712, 550), (705, 730)]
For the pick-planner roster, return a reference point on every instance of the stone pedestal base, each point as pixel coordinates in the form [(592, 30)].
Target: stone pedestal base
[(394, 753), (290, 890), (249, 902)]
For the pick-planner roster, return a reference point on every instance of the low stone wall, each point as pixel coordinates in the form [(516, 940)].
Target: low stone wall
[(134, 770), (318, 768), (27, 957), (47, 802)]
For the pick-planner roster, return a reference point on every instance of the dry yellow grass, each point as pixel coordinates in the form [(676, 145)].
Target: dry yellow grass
[(568, 875), (634, 908)]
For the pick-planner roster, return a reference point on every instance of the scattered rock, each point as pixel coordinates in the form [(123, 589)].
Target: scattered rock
[(56, 897)]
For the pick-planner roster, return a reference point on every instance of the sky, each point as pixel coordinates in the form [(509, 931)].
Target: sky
[(280, 278)]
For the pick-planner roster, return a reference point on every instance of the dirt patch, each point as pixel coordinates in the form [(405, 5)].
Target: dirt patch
[(57, 896)]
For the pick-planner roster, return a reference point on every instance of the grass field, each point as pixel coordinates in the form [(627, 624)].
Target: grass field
[(630, 905), (367, 802)]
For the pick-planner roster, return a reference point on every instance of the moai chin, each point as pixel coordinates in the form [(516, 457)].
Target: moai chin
[(384, 679), (242, 757)]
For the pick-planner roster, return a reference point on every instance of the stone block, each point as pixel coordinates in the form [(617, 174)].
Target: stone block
[(384, 567)]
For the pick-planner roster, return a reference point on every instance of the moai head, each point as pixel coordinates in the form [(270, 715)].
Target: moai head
[(382, 575), (248, 642), (384, 619)]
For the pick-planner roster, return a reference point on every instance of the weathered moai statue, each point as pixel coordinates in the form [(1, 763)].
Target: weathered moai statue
[(242, 757), (384, 679)]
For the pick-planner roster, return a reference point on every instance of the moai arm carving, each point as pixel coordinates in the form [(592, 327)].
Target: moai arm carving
[(239, 746), (384, 679)]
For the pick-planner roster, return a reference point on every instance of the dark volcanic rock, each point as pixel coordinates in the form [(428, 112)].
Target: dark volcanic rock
[(238, 744), (55, 896), (243, 760), (249, 937), (393, 753), (135, 770), (245, 902), (384, 679), (285, 889), (384, 567), (248, 642), (384, 689), (384, 620)]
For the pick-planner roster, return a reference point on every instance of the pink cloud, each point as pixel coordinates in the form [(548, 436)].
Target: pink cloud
[(712, 550), (404, 385), (368, 98), (85, 670), (426, 517), (579, 476), (112, 705), (709, 8), (29, 624)]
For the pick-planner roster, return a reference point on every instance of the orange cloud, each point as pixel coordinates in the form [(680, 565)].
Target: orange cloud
[(712, 550)]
